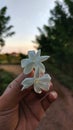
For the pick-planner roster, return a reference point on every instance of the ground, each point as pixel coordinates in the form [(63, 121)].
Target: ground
[(59, 115)]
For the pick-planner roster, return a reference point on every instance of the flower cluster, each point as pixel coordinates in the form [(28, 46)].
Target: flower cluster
[(40, 81)]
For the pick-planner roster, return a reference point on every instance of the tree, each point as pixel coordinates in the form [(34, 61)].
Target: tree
[(2, 43), (69, 4), (56, 38), (5, 29)]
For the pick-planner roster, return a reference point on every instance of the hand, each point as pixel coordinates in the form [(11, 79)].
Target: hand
[(23, 110)]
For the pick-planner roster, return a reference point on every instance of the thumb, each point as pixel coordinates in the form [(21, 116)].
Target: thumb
[(13, 93)]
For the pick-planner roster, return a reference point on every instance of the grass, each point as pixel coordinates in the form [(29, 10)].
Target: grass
[(63, 78), (5, 79)]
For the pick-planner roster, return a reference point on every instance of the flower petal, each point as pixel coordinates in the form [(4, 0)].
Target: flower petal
[(43, 58), (44, 86), (24, 62), (38, 53), (44, 82), (37, 89), (41, 68), (45, 78), (31, 54), (36, 74), (27, 82), (28, 68)]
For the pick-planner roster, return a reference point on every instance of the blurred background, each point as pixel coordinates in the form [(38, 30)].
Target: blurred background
[(30, 25)]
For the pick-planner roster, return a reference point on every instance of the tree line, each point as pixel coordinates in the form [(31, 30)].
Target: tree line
[(56, 38)]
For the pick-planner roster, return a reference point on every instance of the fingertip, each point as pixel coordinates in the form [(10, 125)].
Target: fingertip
[(22, 76), (52, 96)]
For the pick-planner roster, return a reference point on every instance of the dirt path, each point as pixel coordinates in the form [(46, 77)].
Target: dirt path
[(16, 69), (60, 114)]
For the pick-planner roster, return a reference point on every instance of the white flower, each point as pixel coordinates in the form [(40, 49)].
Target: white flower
[(33, 61), (39, 83)]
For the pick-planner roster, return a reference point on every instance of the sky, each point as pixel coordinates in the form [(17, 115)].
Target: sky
[(26, 16)]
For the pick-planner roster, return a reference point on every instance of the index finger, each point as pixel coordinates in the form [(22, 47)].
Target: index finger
[(13, 93), (22, 76)]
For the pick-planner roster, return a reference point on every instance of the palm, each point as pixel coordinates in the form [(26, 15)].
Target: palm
[(32, 110)]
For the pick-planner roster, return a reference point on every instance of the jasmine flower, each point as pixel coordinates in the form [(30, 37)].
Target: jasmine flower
[(39, 83), (33, 61)]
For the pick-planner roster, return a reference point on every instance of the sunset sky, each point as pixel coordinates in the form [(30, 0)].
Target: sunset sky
[(26, 16)]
